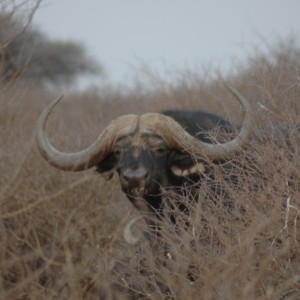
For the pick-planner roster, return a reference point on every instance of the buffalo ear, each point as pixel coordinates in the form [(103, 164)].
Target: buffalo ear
[(107, 166), (183, 165)]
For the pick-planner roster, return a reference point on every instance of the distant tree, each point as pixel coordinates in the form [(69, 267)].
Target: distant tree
[(27, 53)]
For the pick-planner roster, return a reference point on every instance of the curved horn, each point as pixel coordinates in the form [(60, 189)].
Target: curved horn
[(89, 157), (175, 135)]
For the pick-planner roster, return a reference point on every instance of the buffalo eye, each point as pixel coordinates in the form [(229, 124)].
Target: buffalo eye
[(160, 150), (117, 152)]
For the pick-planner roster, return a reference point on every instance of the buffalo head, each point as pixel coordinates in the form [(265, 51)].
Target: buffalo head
[(149, 152)]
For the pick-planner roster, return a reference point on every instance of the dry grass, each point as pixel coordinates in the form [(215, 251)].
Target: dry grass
[(61, 233)]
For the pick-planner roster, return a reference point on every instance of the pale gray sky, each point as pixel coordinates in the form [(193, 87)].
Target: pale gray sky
[(168, 34)]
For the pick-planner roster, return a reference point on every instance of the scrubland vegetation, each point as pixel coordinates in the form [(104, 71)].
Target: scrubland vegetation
[(61, 234)]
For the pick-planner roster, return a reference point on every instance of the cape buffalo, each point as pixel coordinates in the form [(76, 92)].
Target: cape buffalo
[(152, 151)]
